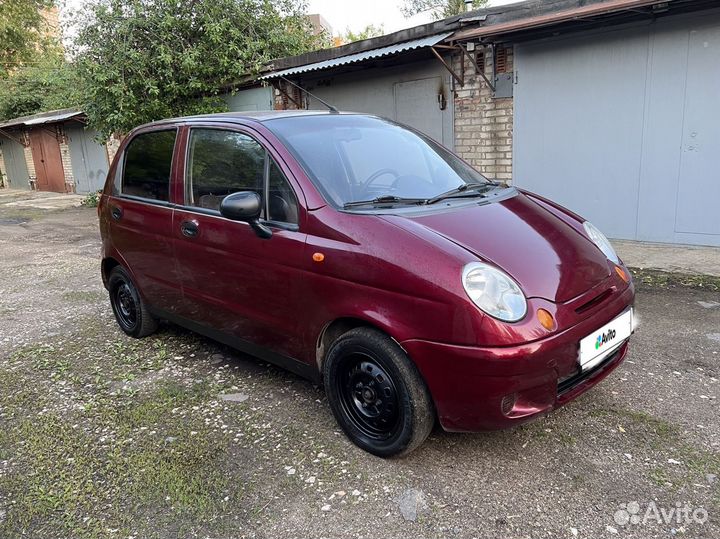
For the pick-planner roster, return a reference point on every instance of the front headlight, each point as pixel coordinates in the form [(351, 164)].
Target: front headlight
[(602, 243), (494, 292)]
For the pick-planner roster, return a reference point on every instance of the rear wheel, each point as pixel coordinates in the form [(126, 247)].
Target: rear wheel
[(377, 394), (130, 311)]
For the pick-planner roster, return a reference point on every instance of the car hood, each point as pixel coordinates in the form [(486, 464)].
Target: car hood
[(544, 254)]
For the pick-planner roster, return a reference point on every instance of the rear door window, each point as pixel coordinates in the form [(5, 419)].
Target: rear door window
[(148, 161)]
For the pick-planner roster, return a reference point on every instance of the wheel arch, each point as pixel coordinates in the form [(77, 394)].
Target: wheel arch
[(106, 266), (338, 327)]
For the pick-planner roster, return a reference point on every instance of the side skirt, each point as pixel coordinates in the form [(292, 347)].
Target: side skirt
[(296, 366)]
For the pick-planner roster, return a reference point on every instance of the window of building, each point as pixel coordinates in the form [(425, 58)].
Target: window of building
[(501, 60)]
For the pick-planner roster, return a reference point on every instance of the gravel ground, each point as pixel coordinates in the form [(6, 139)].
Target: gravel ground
[(177, 436)]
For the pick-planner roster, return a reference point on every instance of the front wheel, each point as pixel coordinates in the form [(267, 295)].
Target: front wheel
[(130, 311), (377, 394)]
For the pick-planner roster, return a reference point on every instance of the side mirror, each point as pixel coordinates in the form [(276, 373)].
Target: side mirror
[(245, 206)]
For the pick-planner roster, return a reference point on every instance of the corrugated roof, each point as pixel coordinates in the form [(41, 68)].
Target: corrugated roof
[(52, 118), (427, 41), (541, 15), (43, 118)]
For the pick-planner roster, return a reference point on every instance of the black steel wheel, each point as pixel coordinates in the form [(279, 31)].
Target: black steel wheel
[(377, 394), (368, 396), (127, 309), (130, 311)]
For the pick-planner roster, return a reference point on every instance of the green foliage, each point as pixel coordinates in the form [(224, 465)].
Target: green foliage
[(51, 83), (91, 200), (366, 33), (34, 75), (142, 60), (22, 33), (439, 9)]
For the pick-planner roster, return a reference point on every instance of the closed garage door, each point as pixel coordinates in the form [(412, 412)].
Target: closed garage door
[(15, 165), (623, 127), (410, 94)]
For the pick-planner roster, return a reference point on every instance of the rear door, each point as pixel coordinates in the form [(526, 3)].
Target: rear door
[(141, 217), (235, 282)]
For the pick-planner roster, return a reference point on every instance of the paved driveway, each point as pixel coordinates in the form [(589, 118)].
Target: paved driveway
[(176, 436)]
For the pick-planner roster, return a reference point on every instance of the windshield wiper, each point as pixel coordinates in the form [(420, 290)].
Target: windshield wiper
[(460, 190), (385, 199)]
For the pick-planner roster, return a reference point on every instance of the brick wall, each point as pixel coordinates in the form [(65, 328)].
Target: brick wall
[(3, 176), (483, 124), (29, 159), (288, 98), (65, 158), (112, 146)]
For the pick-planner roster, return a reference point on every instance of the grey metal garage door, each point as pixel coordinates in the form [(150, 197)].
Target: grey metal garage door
[(15, 165), (407, 93), (623, 127), (89, 159)]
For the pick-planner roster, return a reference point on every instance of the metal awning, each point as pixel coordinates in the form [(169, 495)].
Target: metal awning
[(428, 41), (43, 118), (51, 119)]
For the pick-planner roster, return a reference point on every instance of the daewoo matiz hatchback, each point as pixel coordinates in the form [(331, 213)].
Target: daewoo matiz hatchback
[(362, 254)]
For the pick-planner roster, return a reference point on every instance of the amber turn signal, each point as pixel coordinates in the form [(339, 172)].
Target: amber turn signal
[(622, 273), (546, 319), (318, 257)]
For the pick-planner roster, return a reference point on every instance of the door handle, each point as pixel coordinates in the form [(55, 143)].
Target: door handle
[(189, 229), (116, 213)]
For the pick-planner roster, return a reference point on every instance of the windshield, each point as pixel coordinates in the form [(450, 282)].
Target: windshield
[(353, 158)]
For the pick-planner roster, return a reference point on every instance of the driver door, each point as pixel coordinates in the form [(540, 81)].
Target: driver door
[(235, 282)]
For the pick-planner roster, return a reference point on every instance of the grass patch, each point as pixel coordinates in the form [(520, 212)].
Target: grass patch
[(83, 296), (668, 442), (661, 279), (74, 481), (23, 214), (109, 436)]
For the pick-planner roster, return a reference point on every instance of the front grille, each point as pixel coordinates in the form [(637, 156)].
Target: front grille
[(566, 384)]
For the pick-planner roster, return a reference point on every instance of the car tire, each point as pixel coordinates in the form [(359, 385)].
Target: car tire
[(130, 311), (377, 394)]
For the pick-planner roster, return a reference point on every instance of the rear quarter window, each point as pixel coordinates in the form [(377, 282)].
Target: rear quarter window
[(148, 160)]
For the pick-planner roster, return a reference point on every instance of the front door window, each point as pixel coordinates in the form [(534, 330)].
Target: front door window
[(221, 162)]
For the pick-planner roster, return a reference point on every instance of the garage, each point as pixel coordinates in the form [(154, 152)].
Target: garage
[(403, 81), (52, 151), (622, 125), (415, 94)]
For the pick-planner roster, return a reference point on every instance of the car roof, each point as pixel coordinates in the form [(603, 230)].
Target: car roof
[(257, 116)]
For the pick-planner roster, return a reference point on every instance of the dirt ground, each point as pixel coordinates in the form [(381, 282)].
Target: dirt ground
[(176, 436)]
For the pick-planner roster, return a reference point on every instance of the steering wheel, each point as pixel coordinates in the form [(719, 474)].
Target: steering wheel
[(380, 173)]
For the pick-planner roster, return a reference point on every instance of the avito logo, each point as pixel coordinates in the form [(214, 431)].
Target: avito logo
[(605, 338)]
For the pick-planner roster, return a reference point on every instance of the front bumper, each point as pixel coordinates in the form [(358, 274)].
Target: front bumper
[(476, 388)]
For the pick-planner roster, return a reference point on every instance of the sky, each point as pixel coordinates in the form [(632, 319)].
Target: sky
[(356, 15)]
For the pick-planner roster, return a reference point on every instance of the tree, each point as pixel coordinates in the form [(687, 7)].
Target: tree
[(366, 33), (143, 60), (50, 83), (22, 32), (440, 9), (34, 75)]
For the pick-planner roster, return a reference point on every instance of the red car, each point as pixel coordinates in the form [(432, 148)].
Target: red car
[(362, 254)]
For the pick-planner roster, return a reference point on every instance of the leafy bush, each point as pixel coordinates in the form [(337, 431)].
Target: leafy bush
[(91, 200)]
